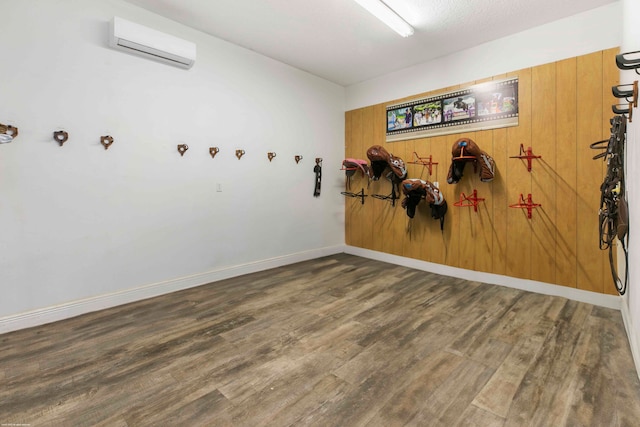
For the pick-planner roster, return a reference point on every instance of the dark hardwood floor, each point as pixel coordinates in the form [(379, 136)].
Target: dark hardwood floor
[(337, 341)]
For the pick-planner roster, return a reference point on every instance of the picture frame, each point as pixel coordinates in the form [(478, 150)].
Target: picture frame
[(488, 105)]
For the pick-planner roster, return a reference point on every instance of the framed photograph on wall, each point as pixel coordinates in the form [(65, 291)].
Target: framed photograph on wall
[(488, 105), (399, 118)]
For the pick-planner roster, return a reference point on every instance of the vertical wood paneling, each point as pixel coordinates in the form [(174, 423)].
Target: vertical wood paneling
[(518, 226), (481, 229), (590, 275), (377, 221), (382, 216), (371, 214), (566, 172), (420, 232), (357, 210), (543, 185), (564, 106), (450, 236), (399, 216), (499, 197), (371, 122), (430, 250), (438, 240), (500, 203), (416, 227), (465, 216), (349, 150)]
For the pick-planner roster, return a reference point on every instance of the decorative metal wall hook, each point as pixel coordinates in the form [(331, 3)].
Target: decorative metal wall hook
[(213, 151), (319, 161), (239, 154), (7, 133), (271, 155), (182, 148), (61, 136), (297, 159), (106, 141)]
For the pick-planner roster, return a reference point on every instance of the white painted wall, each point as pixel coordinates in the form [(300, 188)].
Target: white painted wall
[(78, 222), (631, 301), (580, 34)]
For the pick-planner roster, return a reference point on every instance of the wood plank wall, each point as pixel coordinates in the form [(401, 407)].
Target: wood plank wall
[(564, 106)]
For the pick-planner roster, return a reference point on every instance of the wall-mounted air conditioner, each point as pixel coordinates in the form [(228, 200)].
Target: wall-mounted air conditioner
[(143, 41)]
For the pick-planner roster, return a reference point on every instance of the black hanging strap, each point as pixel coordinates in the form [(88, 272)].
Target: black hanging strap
[(318, 170)]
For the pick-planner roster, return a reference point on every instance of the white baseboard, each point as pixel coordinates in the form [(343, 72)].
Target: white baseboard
[(632, 334), (76, 308), (608, 301)]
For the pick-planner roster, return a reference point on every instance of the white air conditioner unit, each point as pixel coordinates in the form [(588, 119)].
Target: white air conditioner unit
[(143, 41)]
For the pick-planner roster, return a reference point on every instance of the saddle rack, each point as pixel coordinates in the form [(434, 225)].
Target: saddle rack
[(526, 155), (464, 158), (526, 204), (469, 201), (424, 161)]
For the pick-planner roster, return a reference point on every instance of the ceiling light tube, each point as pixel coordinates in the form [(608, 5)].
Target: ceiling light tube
[(387, 15)]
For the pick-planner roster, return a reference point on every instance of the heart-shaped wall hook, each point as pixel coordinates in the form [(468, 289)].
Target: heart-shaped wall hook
[(271, 155), (298, 158), (11, 133), (106, 141), (182, 148), (213, 151), (61, 136), (239, 154)]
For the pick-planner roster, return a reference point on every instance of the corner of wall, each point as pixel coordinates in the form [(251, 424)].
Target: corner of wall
[(632, 334)]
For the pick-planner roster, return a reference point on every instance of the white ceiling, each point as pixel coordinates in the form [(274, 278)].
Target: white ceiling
[(341, 42)]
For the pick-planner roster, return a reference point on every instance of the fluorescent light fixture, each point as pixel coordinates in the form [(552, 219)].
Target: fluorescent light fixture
[(387, 15)]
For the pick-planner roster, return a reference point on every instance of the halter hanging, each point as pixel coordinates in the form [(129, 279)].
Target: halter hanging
[(318, 171)]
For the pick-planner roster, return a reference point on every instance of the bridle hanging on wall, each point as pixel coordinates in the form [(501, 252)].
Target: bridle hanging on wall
[(613, 216)]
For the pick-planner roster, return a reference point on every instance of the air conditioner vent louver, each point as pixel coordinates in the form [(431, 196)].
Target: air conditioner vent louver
[(139, 40)]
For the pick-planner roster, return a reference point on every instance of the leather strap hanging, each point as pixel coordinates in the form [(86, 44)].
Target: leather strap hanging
[(318, 171)]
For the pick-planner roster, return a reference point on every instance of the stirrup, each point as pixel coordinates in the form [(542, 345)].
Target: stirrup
[(359, 194), (391, 197)]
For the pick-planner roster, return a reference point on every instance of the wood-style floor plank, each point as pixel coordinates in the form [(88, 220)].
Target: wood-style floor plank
[(336, 341)]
